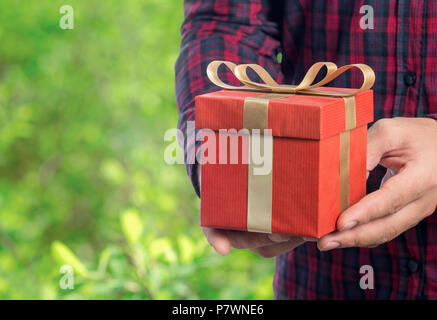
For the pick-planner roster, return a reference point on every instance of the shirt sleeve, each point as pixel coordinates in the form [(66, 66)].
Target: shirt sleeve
[(232, 30)]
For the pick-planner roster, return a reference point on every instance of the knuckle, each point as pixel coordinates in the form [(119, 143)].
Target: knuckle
[(430, 210), (377, 242), (357, 243), (392, 232), (396, 201), (383, 126), (362, 241), (380, 242), (352, 240), (412, 225), (433, 179), (366, 217)]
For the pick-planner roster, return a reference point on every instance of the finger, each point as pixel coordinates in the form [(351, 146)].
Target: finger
[(382, 137), (310, 239), (218, 240), (249, 240), (395, 193), (377, 145), (393, 161), (279, 237), (381, 230), (279, 248)]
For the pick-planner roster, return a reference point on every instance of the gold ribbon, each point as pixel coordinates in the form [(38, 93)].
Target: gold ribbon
[(305, 87), (259, 191), (255, 116)]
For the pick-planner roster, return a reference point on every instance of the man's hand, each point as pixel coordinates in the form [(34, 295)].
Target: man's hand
[(407, 146), (266, 245)]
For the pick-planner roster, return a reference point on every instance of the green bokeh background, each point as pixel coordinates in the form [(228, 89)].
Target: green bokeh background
[(82, 177)]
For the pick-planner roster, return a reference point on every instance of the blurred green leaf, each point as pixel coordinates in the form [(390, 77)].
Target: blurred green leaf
[(113, 171), (131, 225), (186, 249), (104, 260), (64, 255), (162, 247)]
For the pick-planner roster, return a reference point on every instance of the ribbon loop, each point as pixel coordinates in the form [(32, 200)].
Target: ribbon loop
[(306, 86), (212, 72), (241, 74), (368, 74), (312, 73)]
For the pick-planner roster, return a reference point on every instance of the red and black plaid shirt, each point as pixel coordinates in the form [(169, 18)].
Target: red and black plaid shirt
[(402, 49)]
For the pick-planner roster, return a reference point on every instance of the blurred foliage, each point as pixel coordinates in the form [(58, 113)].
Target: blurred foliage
[(82, 178)]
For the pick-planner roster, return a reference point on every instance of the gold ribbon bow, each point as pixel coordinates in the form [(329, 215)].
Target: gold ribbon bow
[(305, 87), (255, 116)]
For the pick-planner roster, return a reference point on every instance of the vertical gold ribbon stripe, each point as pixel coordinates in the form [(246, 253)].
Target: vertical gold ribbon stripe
[(259, 193), (260, 187), (350, 123), (344, 170), (350, 113)]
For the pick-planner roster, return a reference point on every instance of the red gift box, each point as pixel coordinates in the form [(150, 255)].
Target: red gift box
[(318, 155)]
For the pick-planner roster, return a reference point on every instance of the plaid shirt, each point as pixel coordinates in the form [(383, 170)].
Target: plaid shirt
[(402, 49)]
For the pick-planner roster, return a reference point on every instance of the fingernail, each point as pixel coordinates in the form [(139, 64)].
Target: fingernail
[(349, 225), (331, 245), (276, 237)]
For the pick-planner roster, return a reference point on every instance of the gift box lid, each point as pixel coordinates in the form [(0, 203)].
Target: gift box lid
[(295, 115)]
